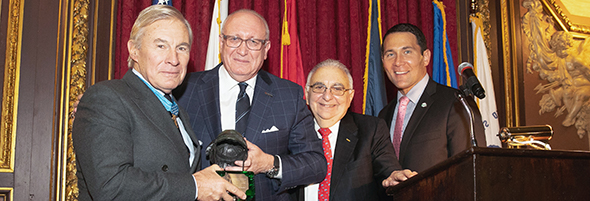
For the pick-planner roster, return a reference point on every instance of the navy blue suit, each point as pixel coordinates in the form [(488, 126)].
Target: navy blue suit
[(276, 102)]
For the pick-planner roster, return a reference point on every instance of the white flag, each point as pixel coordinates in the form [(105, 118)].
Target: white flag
[(219, 12), (487, 106)]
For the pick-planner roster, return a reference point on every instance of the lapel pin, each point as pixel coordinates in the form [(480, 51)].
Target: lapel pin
[(424, 105), (268, 94), (348, 140)]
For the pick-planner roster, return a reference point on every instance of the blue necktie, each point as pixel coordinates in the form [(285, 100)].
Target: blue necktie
[(173, 110), (242, 108)]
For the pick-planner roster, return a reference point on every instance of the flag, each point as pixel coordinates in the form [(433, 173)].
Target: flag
[(291, 64), (219, 15), (374, 97), (443, 69), (487, 106), (162, 2)]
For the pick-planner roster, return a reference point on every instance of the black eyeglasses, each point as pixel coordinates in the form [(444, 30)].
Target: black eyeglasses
[(335, 90), (235, 42)]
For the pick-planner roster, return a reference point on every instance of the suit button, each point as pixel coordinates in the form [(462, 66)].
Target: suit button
[(165, 168)]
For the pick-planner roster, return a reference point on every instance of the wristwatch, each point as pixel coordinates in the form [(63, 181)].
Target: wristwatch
[(274, 171)]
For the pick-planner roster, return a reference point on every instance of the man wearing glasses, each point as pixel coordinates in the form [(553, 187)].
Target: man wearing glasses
[(283, 149), (361, 160)]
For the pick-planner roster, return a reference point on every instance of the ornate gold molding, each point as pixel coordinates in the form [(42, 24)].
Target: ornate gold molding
[(483, 12), (507, 55), (6, 193), (579, 30), (11, 85), (73, 84)]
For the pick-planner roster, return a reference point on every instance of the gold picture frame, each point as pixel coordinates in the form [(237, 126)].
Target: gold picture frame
[(11, 85)]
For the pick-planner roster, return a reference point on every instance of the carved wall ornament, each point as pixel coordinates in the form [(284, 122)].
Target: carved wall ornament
[(563, 62), (74, 83)]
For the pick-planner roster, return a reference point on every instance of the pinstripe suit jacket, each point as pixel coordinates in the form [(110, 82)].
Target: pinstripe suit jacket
[(127, 147), (276, 102)]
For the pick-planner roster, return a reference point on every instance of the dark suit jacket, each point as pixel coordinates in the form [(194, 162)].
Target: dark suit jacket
[(363, 158), (276, 102), (436, 131), (127, 146)]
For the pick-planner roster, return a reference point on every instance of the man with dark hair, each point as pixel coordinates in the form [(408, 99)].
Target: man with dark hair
[(427, 123)]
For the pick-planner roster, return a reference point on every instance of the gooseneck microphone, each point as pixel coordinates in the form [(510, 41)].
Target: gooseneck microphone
[(459, 96), (471, 84)]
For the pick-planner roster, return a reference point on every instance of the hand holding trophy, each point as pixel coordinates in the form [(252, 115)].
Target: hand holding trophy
[(225, 150)]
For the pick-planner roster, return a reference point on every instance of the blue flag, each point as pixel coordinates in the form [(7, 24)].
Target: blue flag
[(443, 69), (375, 96), (162, 2)]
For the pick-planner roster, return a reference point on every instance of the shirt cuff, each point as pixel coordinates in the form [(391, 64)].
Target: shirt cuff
[(280, 174)]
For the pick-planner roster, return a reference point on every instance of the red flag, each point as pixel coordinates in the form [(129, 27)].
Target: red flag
[(291, 65)]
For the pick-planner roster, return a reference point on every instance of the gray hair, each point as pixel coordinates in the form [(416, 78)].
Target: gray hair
[(150, 15), (330, 62)]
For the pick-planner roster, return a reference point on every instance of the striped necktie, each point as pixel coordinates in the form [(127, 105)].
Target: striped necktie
[(242, 108)]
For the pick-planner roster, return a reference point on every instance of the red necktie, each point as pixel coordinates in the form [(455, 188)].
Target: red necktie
[(324, 190), (399, 123)]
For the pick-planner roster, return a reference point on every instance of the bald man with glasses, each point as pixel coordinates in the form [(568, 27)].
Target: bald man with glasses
[(283, 149)]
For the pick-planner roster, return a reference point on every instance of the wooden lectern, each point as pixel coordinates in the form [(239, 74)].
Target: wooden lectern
[(501, 174)]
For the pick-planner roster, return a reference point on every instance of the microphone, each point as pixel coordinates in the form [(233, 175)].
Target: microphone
[(459, 96), (471, 84)]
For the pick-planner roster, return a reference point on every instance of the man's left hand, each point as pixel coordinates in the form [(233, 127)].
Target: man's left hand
[(398, 176), (257, 161)]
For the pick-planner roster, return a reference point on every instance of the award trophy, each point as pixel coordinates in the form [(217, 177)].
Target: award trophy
[(228, 147)]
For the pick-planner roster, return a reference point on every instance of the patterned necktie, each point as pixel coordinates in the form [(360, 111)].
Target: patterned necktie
[(324, 190), (173, 110), (242, 108), (399, 123)]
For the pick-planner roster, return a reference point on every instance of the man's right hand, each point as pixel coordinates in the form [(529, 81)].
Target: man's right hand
[(213, 187)]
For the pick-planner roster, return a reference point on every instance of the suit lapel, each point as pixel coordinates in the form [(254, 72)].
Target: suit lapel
[(345, 145), (153, 110), (260, 106), (417, 116), (211, 108), (196, 143)]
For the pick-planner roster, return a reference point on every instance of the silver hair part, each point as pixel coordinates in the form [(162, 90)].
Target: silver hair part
[(330, 62)]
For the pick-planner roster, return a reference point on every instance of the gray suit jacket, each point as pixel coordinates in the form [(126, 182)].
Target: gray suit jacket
[(127, 146), (438, 128), (277, 103)]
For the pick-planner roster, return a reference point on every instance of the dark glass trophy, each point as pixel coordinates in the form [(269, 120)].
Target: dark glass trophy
[(228, 147)]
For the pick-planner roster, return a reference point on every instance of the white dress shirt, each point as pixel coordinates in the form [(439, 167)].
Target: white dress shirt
[(311, 191), (228, 95)]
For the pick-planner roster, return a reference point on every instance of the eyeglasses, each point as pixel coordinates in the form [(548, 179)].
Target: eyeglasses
[(235, 42), (321, 88)]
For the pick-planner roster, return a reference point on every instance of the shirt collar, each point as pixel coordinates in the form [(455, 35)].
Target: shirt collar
[(146, 82), (334, 128), (227, 83), (416, 92)]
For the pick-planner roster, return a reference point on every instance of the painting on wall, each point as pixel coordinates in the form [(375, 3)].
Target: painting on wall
[(554, 68)]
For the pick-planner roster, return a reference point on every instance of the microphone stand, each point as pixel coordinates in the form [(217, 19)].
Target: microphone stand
[(459, 95)]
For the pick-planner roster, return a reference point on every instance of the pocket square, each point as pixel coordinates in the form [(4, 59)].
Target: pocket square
[(272, 129)]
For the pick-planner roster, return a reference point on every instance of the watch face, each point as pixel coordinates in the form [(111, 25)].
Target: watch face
[(272, 172)]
